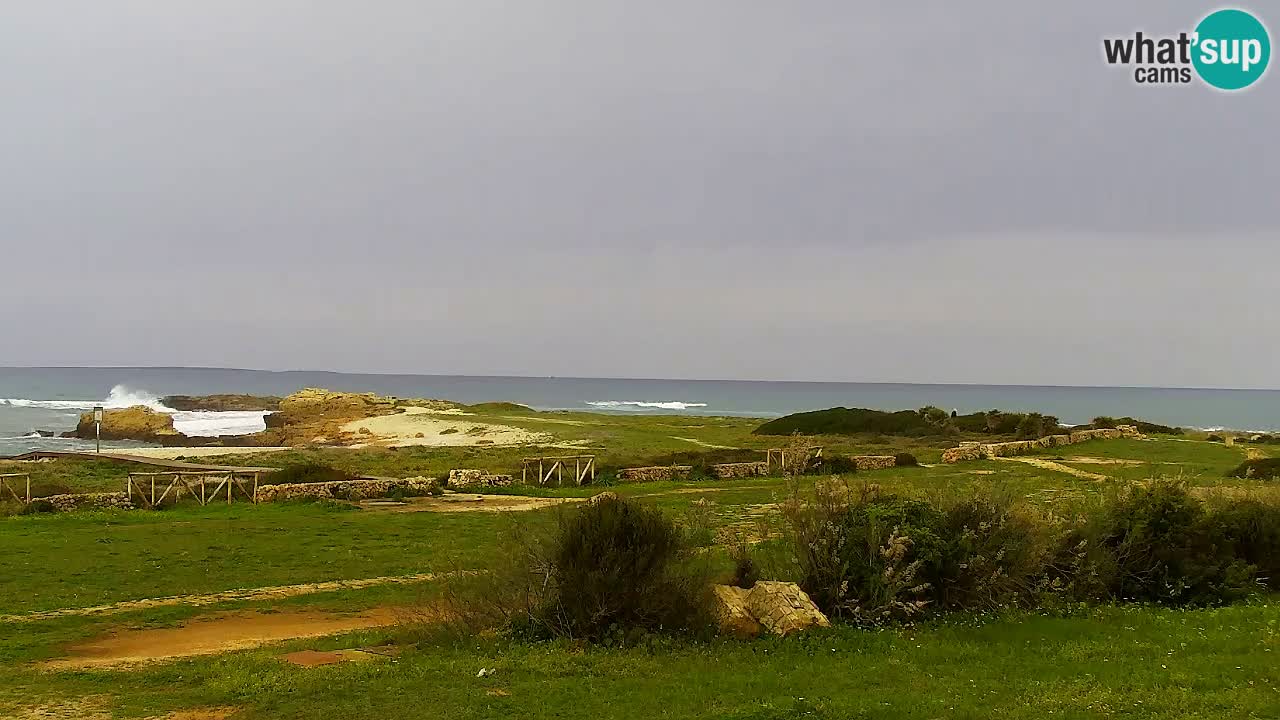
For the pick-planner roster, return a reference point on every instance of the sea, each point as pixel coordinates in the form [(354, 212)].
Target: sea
[(38, 404)]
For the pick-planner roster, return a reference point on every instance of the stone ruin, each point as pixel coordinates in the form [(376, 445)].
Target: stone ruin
[(464, 478), (873, 462), (726, 471), (655, 473), (780, 608), (983, 451)]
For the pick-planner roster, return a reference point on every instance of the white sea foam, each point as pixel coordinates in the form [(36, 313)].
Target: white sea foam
[(645, 405), (213, 424), (192, 423)]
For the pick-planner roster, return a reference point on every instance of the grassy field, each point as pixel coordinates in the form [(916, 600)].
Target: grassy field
[(1096, 662)]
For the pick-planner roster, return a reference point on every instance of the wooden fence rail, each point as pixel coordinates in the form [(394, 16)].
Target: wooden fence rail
[(25, 497), (584, 468), (144, 486)]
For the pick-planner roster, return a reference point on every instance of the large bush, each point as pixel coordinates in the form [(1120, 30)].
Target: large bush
[(925, 422), (866, 558), (1164, 549), (1250, 531), (994, 555), (1143, 426), (610, 567), (1258, 469)]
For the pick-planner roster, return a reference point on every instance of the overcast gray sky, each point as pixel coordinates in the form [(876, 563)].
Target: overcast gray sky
[(925, 191)]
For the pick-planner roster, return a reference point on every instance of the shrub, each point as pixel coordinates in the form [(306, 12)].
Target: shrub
[(609, 567), (1250, 531), (38, 507), (1164, 550), (835, 465), (867, 558), (1257, 469), (1035, 425), (306, 473), (925, 422), (1142, 425), (1215, 438), (905, 460), (994, 555), (745, 570)]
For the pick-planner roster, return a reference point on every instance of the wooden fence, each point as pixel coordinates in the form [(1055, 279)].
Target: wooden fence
[(7, 490), (145, 486), (584, 468), (805, 455)]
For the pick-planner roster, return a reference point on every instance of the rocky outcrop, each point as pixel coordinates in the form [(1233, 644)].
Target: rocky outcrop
[(979, 451), (655, 473), (463, 478), (740, 470), (874, 462), (131, 423), (780, 608), (221, 403)]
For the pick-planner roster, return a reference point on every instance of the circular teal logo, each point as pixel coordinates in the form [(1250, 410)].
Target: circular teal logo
[(1232, 49)]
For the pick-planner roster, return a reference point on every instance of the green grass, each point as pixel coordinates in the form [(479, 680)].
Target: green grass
[(83, 559), (1101, 662), (1109, 662), (72, 475)]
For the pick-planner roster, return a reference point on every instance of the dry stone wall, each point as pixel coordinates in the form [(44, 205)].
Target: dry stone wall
[(89, 501), (346, 489), (873, 462), (740, 470), (980, 451), (462, 478), (655, 473)]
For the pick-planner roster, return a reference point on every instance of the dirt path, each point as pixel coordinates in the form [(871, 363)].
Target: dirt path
[(468, 502), (1057, 467), (97, 707), (246, 595), (224, 632)]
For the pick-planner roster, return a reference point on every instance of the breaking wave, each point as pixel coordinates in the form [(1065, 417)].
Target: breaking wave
[(190, 423), (645, 405)]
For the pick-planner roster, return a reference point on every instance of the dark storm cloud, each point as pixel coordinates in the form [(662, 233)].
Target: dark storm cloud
[(932, 192)]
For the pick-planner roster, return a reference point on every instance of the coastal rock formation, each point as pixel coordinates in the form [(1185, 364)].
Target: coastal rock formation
[(740, 470), (221, 403), (462, 478), (655, 473), (874, 462), (131, 423)]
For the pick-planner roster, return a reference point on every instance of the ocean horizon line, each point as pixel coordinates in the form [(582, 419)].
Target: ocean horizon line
[(298, 371)]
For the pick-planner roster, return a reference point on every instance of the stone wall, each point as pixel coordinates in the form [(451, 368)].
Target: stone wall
[(873, 462), (979, 451), (88, 501), (462, 478), (740, 470), (347, 489), (655, 473)]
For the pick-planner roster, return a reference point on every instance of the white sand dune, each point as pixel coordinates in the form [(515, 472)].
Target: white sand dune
[(420, 426)]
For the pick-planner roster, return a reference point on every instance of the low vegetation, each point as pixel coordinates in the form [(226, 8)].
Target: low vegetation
[(872, 557), (612, 568), (306, 473), (925, 422), (1258, 469)]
